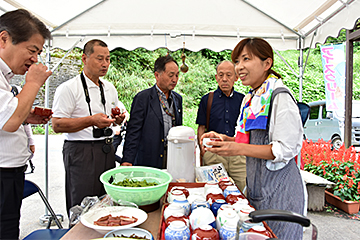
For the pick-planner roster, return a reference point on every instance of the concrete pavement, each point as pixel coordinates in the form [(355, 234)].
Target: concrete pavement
[(329, 226)]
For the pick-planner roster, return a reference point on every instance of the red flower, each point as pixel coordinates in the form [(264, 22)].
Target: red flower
[(340, 166), (351, 183)]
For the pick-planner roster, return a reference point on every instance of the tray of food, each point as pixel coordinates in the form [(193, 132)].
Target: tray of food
[(206, 209)]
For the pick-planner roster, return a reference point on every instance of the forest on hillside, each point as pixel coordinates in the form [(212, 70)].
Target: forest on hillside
[(132, 71)]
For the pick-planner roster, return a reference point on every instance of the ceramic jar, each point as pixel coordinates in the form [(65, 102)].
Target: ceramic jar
[(234, 197), (195, 196), (176, 194), (228, 231), (261, 230), (199, 203), (225, 180), (177, 217), (212, 197), (223, 185), (240, 204), (210, 184), (201, 216), (230, 189), (227, 215), (225, 206), (177, 230), (184, 204), (216, 205), (246, 225), (215, 190), (172, 209), (244, 212), (205, 232), (183, 189)]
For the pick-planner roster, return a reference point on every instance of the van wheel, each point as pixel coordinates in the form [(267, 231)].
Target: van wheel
[(336, 142)]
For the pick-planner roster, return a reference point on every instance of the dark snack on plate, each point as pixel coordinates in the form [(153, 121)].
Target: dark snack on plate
[(134, 183), (132, 236), (42, 111), (109, 220)]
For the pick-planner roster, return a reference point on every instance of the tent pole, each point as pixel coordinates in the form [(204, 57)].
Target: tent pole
[(307, 57), (301, 60), (286, 63), (48, 59), (300, 87), (67, 53), (348, 88), (46, 100)]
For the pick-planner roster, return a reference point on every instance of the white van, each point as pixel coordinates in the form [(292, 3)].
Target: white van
[(330, 125)]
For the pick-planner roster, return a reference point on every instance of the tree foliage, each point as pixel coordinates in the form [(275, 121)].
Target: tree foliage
[(132, 71)]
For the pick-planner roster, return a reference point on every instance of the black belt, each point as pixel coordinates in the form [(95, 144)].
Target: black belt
[(106, 140), (16, 169)]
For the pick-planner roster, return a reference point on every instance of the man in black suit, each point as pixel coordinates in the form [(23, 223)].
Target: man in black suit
[(153, 112)]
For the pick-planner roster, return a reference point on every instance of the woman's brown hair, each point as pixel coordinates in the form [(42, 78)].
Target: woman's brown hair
[(258, 47)]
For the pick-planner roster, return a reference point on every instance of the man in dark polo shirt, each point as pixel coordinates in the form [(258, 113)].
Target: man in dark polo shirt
[(225, 110)]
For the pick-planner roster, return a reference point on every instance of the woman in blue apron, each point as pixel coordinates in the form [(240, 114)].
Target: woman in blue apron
[(270, 140)]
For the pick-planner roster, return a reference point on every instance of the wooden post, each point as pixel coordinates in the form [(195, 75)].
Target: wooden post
[(351, 36)]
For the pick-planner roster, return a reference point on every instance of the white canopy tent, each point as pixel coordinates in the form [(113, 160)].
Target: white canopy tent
[(200, 24), (212, 24)]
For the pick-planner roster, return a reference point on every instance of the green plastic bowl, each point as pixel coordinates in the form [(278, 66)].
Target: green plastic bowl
[(138, 195)]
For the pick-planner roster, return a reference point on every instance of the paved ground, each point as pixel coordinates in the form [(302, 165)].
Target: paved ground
[(329, 226)]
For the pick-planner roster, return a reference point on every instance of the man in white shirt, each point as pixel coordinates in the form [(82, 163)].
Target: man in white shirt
[(21, 40), (82, 110)]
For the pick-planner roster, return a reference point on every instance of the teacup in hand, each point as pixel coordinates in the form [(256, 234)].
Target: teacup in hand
[(46, 112), (207, 140)]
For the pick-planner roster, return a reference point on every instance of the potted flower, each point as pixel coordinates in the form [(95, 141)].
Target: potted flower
[(338, 166)]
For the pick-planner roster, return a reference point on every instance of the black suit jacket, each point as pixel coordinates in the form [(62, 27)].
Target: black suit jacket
[(144, 139)]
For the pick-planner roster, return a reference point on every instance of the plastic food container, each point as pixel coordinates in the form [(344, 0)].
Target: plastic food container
[(138, 195)]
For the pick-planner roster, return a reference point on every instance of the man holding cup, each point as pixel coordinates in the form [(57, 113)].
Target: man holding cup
[(22, 37), (82, 107)]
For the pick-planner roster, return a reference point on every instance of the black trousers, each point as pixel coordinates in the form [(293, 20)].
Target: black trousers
[(11, 190), (84, 163)]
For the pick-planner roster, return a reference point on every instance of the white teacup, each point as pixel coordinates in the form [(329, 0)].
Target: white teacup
[(201, 216), (196, 196), (172, 209), (177, 230), (227, 215), (176, 194), (207, 140), (244, 212), (213, 190), (210, 184)]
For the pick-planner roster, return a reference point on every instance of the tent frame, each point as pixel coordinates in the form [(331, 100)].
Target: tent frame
[(351, 37)]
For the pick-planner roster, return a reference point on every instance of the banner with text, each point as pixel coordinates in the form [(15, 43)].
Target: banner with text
[(334, 65)]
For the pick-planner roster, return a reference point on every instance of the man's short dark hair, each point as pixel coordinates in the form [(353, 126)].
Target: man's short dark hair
[(89, 46), (161, 62), (22, 25)]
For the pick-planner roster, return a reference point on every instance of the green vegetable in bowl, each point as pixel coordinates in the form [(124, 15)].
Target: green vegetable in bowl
[(134, 183), (133, 236)]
